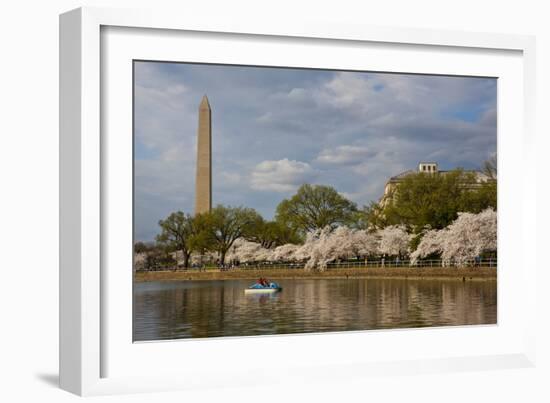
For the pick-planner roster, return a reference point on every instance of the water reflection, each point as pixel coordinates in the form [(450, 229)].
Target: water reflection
[(172, 310)]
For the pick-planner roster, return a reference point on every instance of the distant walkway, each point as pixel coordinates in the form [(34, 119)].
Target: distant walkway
[(463, 274)]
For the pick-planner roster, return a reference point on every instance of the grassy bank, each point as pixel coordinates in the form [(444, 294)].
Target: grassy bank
[(465, 274)]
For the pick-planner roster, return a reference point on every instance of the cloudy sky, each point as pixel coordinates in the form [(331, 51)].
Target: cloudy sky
[(274, 129)]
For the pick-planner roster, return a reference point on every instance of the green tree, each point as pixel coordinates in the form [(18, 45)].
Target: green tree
[(176, 229), (485, 195), (272, 233), (218, 229), (314, 207), (142, 247), (371, 217), (425, 200)]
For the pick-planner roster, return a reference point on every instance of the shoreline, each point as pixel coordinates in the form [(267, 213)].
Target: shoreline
[(432, 273)]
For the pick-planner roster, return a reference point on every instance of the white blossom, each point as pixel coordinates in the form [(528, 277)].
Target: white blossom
[(469, 235), (303, 252), (341, 243), (366, 243), (431, 243), (326, 248), (284, 253), (245, 251), (394, 240), (463, 240)]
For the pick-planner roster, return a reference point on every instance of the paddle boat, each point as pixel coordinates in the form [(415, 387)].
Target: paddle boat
[(269, 288)]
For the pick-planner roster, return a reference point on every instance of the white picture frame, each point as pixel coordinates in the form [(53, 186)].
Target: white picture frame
[(88, 312)]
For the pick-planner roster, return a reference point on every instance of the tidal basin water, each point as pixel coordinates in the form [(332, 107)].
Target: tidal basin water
[(192, 309)]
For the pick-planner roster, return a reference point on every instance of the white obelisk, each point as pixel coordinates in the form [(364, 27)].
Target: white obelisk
[(203, 184)]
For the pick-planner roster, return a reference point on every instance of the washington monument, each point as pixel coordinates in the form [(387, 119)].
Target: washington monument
[(203, 183)]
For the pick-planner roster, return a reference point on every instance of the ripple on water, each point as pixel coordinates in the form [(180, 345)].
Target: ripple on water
[(184, 309)]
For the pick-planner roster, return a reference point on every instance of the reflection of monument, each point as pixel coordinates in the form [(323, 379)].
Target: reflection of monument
[(203, 184)]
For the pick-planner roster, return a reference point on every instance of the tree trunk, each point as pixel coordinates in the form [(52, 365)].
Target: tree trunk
[(222, 257), (185, 259)]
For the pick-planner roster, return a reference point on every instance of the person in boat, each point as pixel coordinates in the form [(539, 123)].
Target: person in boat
[(263, 282)]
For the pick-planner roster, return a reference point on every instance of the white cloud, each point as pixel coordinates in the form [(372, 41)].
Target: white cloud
[(358, 128), (281, 176), (344, 155), (346, 90)]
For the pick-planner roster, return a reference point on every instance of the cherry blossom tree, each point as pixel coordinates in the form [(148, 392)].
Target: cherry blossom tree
[(366, 243), (430, 244), (247, 251), (304, 251), (322, 250), (470, 235), (394, 240), (463, 240), (341, 243), (284, 253)]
